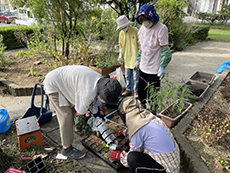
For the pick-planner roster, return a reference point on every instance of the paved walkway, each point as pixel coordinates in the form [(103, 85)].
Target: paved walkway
[(203, 57)]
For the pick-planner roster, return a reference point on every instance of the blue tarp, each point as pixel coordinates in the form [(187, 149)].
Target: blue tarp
[(224, 66)]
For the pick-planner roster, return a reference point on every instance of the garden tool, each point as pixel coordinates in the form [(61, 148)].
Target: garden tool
[(44, 155)]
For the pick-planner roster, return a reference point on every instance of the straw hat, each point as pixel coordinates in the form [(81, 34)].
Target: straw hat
[(122, 22)]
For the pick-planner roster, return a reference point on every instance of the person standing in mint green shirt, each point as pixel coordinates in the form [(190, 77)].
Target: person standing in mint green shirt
[(128, 42)]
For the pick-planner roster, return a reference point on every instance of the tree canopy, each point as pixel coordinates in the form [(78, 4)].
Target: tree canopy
[(130, 8)]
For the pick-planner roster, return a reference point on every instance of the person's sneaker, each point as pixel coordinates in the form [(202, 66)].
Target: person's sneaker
[(135, 94), (73, 153), (126, 93)]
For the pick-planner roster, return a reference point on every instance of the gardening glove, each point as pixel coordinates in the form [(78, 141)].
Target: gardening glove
[(136, 66), (119, 133), (161, 72), (120, 58), (115, 155)]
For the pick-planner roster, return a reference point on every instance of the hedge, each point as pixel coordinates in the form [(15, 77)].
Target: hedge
[(9, 38), (201, 33)]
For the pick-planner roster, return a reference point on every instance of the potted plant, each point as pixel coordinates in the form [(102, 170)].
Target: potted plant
[(104, 68), (169, 101)]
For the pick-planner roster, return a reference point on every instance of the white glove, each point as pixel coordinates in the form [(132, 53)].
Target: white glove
[(120, 57)]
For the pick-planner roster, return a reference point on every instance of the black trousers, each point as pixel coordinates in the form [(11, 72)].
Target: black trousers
[(142, 163), (144, 79)]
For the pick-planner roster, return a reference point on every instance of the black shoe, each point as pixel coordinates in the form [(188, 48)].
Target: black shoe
[(73, 153)]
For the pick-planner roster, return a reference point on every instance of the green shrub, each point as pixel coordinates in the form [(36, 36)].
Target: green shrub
[(9, 38), (170, 93), (181, 36), (171, 14), (108, 14), (201, 33), (202, 16), (224, 14), (212, 18), (3, 61)]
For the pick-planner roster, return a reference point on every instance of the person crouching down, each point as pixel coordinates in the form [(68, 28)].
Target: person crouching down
[(152, 145), (77, 89)]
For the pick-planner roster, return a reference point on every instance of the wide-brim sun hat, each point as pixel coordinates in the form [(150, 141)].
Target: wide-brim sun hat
[(149, 12), (109, 89), (122, 22)]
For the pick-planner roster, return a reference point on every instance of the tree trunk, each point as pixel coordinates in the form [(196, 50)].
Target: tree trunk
[(4, 163)]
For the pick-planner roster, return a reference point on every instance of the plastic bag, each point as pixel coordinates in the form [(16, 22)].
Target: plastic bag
[(117, 74), (224, 66)]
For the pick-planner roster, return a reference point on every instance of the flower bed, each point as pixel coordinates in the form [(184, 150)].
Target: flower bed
[(196, 156)]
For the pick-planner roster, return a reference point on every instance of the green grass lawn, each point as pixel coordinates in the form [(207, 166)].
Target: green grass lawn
[(218, 32)]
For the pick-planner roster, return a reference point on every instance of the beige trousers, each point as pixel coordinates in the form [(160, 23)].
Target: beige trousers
[(65, 116)]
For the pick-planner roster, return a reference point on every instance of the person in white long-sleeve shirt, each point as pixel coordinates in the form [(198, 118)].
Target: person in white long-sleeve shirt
[(75, 89)]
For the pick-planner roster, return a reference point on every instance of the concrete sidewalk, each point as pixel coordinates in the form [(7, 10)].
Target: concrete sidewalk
[(203, 57)]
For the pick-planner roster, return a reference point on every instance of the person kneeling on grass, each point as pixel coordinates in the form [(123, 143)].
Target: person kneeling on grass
[(152, 145)]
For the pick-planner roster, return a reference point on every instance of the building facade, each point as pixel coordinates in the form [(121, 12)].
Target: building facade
[(209, 6)]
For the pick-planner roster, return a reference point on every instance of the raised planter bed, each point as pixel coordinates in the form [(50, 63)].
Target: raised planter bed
[(192, 160), (198, 89), (166, 114), (203, 77), (105, 71)]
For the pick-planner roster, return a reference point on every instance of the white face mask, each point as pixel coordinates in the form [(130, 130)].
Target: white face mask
[(147, 24), (100, 99), (126, 28)]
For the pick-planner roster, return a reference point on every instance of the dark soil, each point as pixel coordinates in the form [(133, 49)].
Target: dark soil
[(173, 112), (217, 154), (202, 79), (28, 70), (197, 92)]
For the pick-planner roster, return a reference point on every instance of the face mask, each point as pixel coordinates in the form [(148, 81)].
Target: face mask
[(147, 24), (100, 99), (126, 29)]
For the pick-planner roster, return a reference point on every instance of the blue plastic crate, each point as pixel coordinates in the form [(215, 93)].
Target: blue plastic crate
[(109, 115)]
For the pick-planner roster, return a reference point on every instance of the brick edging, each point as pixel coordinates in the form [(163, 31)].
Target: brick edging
[(17, 90)]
